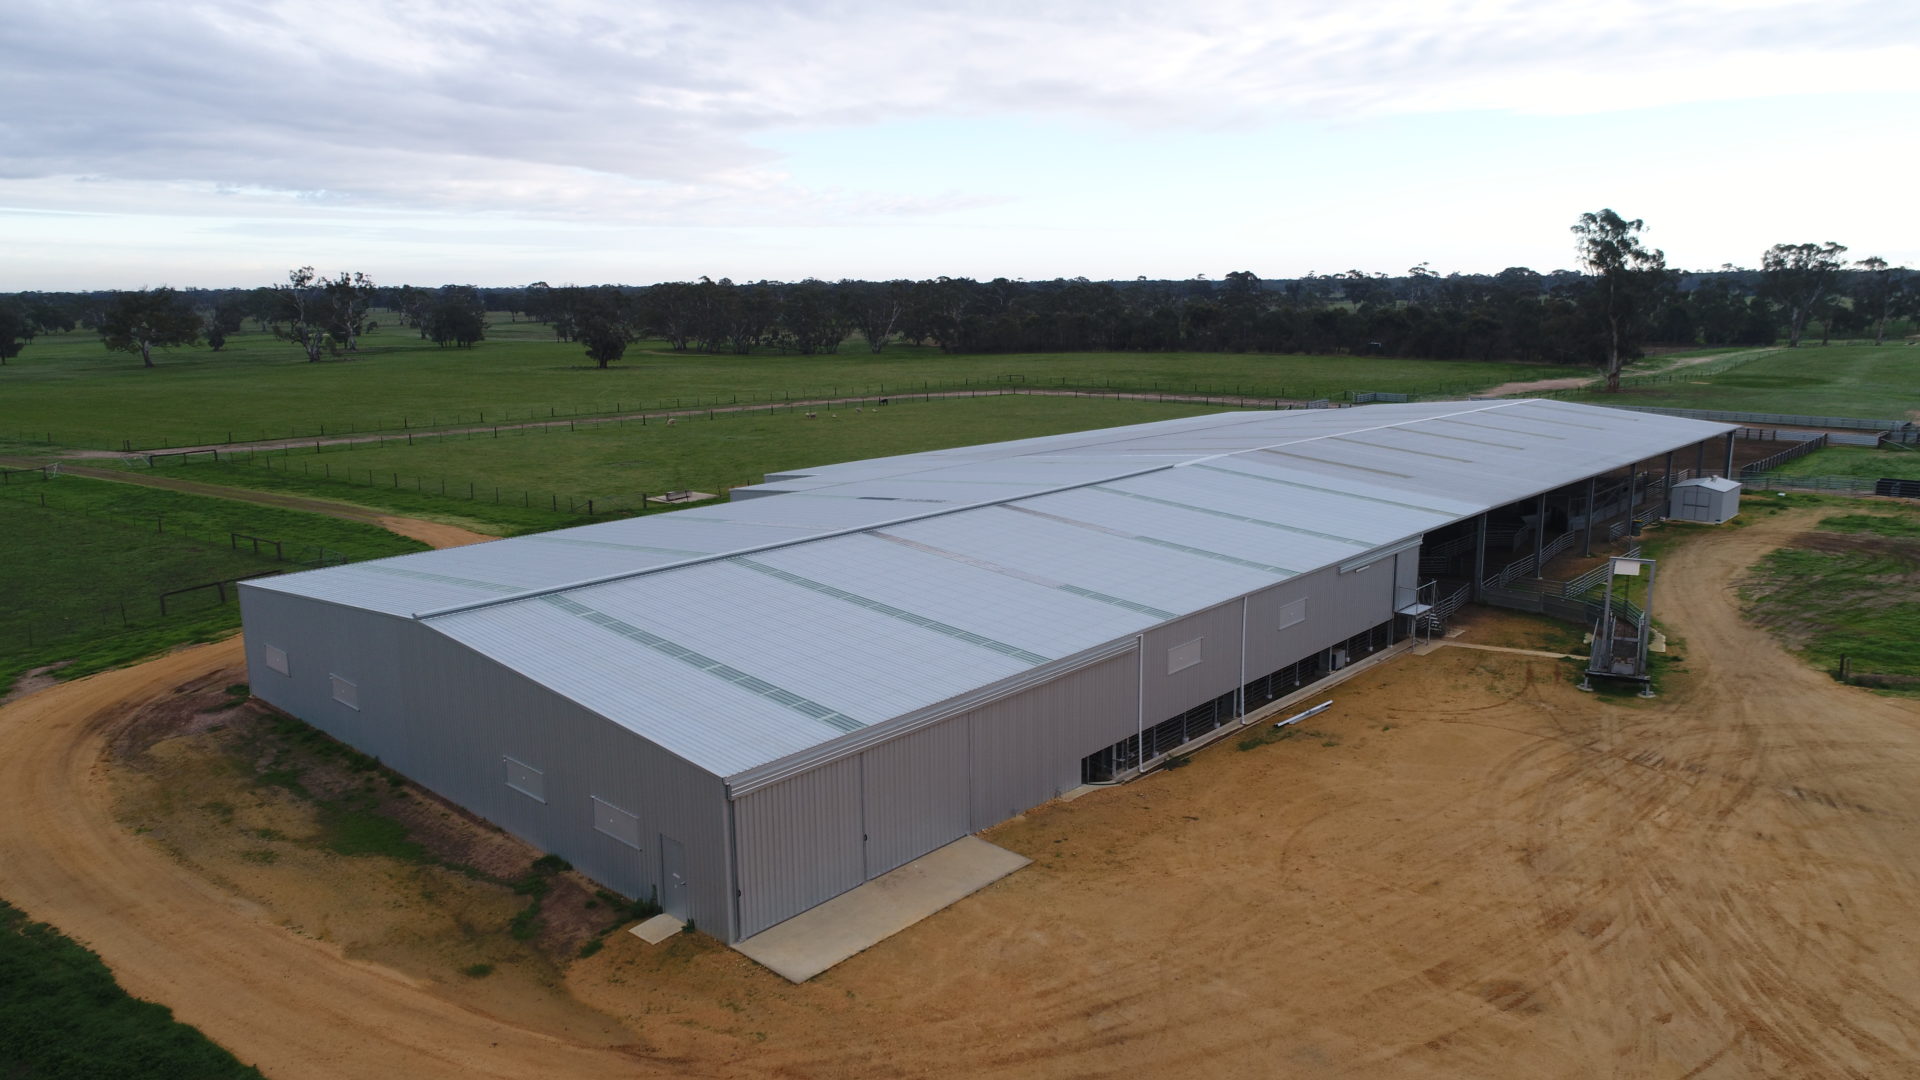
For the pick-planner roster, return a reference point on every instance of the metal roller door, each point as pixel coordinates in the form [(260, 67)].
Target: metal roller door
[(916, 794), (799, 844)]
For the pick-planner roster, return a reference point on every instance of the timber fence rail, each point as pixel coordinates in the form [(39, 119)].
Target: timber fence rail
[(136, 611), (164, 525), (127, 614)]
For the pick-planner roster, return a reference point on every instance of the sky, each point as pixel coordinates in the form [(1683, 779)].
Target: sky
[(219, 143)]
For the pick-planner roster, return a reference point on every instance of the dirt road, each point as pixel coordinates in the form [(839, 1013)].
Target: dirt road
[(433, 533), (1467, 869), (286, 1002), (1540, 386)]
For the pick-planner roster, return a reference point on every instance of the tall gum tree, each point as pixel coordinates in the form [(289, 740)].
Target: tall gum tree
[(1630, 278), (147, 319), (1877, 295), (1798, 277)]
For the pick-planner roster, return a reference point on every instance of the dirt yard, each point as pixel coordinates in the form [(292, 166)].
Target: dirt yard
[(1465, 869)]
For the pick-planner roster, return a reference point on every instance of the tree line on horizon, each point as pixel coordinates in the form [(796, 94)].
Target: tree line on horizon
[(1624, 299)]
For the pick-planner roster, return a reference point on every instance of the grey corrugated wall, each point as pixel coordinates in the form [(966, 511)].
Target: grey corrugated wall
[(813, 836), (446, 717), (799, 843), (1338, 607), (1027, 749), (916, 794), (1218, 630)]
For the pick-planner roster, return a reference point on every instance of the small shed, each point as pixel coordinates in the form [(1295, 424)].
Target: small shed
[(1709, 499)]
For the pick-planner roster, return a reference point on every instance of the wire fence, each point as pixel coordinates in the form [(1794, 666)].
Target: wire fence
[(131, 612), (318, 461), (1901, 428), (1249, 395)]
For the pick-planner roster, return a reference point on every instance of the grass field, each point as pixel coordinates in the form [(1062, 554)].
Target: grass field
[(1838, 380), (63, 1017), (84, 572), (1847, 589), (1872, 464), (614, 463), (69, 388)]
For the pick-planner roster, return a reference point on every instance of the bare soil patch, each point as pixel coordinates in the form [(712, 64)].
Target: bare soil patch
[(33, 681)]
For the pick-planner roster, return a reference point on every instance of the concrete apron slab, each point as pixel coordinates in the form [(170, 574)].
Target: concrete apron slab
[(657, 929), (816, 939)]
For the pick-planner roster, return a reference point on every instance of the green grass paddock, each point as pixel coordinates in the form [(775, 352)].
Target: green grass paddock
[(534, 470), (1861, 461), (83, 574), (1837, 380), (69, 388), (1855, 602)]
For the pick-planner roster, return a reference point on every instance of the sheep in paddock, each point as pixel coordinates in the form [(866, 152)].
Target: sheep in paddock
[(813, 416)]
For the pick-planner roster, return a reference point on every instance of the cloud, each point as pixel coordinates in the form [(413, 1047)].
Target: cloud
[(650, 112)]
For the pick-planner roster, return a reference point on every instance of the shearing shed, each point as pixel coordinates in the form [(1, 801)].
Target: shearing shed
[(746, 709)]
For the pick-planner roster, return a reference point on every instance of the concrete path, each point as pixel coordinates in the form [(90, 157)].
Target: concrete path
[(817, 939)]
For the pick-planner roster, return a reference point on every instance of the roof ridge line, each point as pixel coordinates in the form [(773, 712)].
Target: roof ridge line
[(623, 575), (1356, 431)]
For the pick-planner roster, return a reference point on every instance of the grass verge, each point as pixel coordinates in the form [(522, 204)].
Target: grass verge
[(1847, 591), (1837, 380), (62, 1015)]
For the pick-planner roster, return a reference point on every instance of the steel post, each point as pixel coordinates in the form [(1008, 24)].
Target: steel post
[(1586, 535), (1479, 555), (1539, 534)]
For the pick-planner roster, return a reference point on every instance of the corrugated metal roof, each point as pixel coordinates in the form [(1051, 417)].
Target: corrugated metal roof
[(738, 634)]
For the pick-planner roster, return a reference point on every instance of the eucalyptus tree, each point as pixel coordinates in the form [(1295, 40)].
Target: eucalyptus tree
[(300, 310), (15, 329), (143, 320), (222, 318), (605, 320), (1630, 279), (1876, 295), (349, 298), (1799, 277), (874, 308), (455, 315)]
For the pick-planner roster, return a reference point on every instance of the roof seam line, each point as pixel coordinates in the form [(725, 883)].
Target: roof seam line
[(548, 590)]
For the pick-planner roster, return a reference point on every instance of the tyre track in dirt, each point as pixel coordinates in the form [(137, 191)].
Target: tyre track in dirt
[(431, 533), (1702, 910)]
